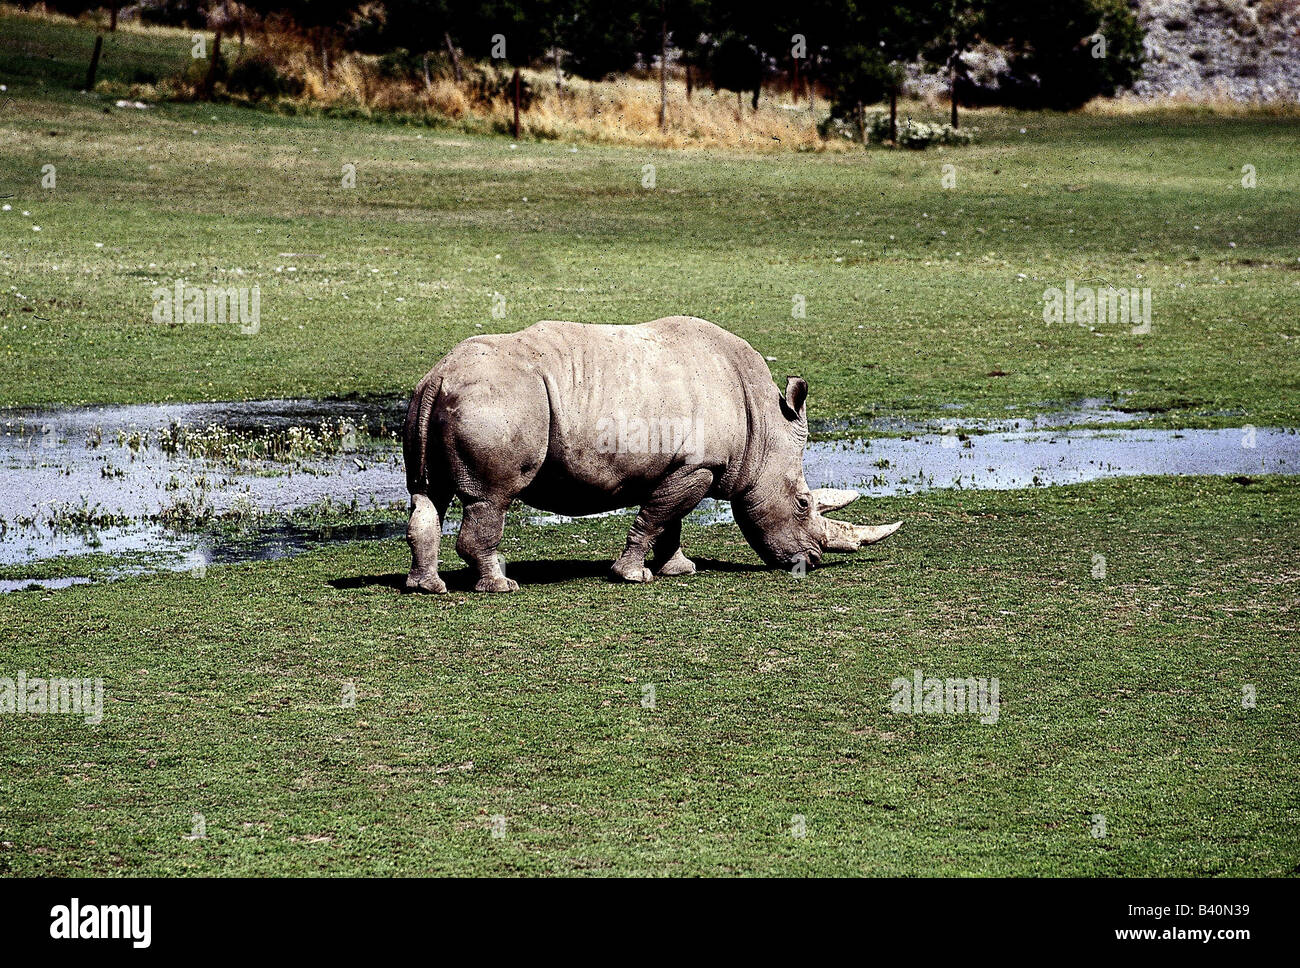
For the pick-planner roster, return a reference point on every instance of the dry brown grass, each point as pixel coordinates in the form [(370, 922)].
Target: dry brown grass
[(627, 111), (1211, 102), (622, 111)]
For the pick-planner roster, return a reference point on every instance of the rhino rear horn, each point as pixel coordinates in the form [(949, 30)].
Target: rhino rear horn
[(832, 499)]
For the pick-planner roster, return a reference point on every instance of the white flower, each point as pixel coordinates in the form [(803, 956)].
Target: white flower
[(36, 228)]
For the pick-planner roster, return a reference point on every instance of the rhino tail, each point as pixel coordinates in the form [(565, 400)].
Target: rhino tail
[(416, 436)]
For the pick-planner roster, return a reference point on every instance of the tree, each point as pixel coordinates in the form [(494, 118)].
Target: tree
[(604, 38), (1062, 55), (735, 65), (866, 61), (946, 30)]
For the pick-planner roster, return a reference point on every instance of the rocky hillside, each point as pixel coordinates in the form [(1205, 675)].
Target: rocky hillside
[(1245, 50), (1242, 50)]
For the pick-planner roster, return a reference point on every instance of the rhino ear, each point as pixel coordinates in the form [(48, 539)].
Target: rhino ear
[(796, 394)]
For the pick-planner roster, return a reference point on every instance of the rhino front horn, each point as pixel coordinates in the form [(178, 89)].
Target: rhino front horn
[(832, 499), (870, 534), (842, 536)]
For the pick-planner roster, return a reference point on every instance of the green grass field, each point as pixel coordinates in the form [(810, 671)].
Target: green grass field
[(1120, 696), (914, 293)]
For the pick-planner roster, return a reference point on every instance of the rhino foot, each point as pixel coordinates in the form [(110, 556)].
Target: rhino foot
[(623, 572), (678, 564), (496, 583), (425, 583)]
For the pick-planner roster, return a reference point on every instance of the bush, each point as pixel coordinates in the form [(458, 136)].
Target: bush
[(196, 71), (257, 77), (911, 134), (488, 84), (173, 13), (919, 134), (400, 65), (832, 126)]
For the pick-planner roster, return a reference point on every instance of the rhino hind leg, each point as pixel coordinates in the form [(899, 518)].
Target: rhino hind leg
[(658, 525), (480, 534), (424, 535), (669, 559)]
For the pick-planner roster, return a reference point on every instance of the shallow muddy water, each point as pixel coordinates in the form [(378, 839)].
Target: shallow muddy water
[(154, 479)]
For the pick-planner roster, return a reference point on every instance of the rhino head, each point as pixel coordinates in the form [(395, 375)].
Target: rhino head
[(780, 516)]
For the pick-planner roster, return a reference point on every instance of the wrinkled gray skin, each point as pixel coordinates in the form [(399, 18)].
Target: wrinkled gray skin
[(535, 416)]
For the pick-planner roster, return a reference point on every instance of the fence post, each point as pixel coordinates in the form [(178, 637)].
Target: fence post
[(94, 62), (211, 79), (516, 79)]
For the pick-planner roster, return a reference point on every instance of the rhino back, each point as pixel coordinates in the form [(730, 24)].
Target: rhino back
[(619, 407)]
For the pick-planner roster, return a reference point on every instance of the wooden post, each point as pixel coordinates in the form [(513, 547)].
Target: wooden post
[(94, 62), (455, 58), (893, 115), (663, 67), (794, 90), (952, 88), (516, 104), (112, 17), (210, 81)]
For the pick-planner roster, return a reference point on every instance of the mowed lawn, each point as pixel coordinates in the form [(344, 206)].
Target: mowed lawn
[(1121, 698), (916, 297)]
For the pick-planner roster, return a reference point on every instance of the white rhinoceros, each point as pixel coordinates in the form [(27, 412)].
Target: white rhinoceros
[(580, 419)]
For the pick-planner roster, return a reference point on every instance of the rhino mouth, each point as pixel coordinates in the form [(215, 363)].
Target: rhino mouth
[(810, 558)]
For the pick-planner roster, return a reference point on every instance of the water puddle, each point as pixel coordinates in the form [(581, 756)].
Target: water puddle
[(1009, 460), (1090, 411), (184, 486)]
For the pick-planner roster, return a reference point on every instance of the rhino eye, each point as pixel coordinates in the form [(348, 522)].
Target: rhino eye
[(804, 503)]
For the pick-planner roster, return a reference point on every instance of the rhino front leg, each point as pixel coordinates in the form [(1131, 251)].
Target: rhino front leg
[(658, 525), (480, 534)]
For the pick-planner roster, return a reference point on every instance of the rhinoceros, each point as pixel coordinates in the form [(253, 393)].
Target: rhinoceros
[(579, 419)]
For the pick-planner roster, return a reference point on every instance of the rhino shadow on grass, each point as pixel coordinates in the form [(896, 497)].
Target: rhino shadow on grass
[(579, 419), (552, 571)]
